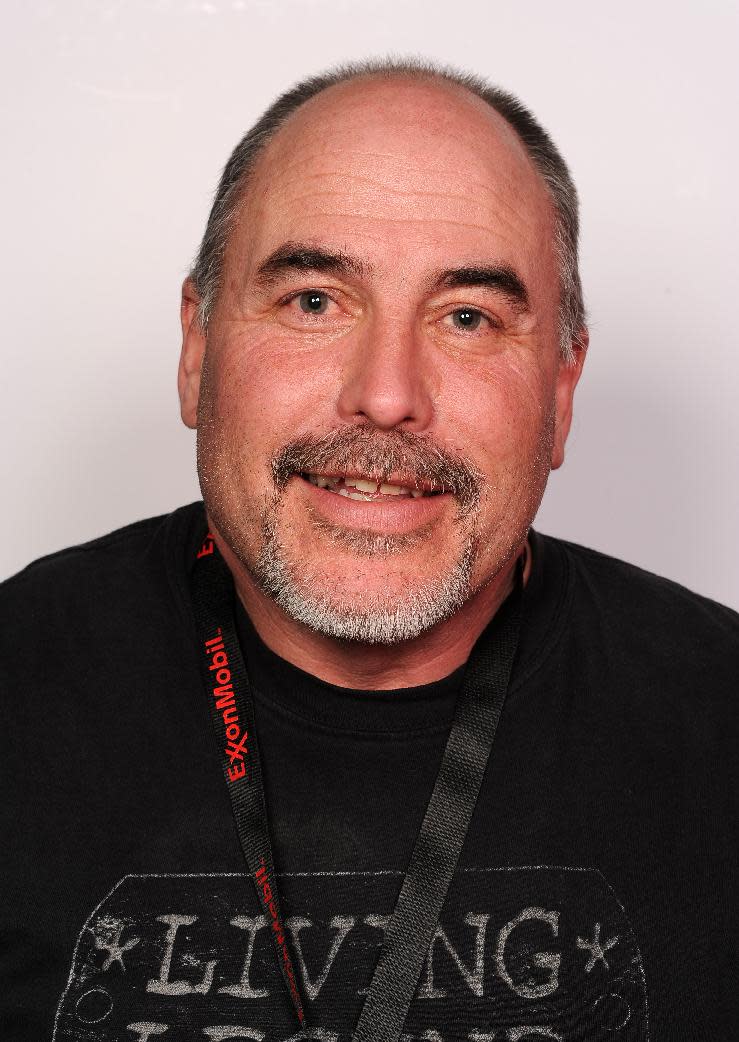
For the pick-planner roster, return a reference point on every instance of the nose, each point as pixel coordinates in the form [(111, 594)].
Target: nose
[(386, 378)]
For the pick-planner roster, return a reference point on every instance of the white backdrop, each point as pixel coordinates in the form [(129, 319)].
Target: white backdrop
[(115, 120)]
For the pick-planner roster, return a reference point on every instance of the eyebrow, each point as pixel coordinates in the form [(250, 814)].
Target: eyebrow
[(500, 278), (301, 257), (304, 258)]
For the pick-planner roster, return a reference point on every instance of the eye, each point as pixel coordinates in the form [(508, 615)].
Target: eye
[(316, 311), (313, 302), (468, 319)]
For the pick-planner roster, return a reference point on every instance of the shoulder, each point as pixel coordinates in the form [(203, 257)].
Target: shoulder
[(646, 618), (104, 579), (626, 587)]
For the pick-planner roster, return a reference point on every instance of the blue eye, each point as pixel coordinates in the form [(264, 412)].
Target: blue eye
[(467, 318), (312, 302)]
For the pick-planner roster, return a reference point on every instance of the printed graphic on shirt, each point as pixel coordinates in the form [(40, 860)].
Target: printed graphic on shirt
[(519, 955)]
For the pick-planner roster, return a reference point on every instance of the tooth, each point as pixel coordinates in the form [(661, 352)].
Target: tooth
[(358, 495), (416, 493), (393, 490), (360, 485), (343, 492)]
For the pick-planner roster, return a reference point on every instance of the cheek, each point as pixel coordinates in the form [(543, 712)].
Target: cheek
[(264, 395), (506, 412)]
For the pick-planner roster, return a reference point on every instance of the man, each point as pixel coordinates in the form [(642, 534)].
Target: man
[(382, 336)]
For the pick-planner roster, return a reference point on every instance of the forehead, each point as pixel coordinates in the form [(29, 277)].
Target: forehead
[(396, 163)]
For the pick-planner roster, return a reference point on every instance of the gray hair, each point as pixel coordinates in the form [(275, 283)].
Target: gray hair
[(207, 271)]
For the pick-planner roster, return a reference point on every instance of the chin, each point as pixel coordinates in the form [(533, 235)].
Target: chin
[(388, 611)]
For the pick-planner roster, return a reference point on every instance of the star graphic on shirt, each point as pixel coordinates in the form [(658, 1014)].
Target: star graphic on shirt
[(596, 948), (107, 934)]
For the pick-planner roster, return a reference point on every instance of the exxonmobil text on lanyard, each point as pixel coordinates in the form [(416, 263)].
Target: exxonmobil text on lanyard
[(446, 821)]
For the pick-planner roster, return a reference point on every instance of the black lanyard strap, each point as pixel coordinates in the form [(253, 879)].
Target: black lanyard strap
[(440, 840), (435, 855)]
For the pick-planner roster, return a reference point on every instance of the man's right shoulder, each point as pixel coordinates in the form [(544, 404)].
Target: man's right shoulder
[(102, 575)]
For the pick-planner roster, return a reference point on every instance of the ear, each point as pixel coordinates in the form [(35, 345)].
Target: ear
[(191, 356), (568, 375)]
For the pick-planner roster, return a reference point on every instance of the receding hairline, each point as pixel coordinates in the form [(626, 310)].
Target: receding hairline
[(420, 75)]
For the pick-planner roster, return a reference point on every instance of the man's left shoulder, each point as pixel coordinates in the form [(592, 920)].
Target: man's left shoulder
[(650, 617)]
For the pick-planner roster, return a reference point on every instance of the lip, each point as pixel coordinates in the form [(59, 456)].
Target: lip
[(394, 515)]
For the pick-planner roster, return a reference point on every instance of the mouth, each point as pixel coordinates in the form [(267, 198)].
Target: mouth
[(367, 490)]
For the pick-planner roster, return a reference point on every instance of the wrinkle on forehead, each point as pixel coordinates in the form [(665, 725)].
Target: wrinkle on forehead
[(315, 164), (333, 181), (444, 208)]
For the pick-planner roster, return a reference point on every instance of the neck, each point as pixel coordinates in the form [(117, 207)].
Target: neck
[(429, 657)]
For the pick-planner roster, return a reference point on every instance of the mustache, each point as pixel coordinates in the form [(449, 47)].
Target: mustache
[(378, 454)]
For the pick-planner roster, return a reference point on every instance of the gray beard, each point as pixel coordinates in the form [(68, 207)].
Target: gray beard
[(367, 620)]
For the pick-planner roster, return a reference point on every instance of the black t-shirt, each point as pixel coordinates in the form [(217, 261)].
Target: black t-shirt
[(595, 895)]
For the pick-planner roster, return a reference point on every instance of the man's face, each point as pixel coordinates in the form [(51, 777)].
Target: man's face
[(381, 397)]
